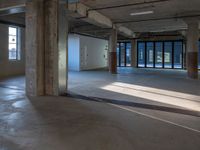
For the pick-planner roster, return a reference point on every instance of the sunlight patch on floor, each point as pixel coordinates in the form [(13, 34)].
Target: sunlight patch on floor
[(179, 99)]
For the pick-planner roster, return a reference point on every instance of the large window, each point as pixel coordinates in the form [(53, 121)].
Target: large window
[(160, 54), (199, 54), (178, 55), (128, 54), (150, 54), (14, 43), (118, 54), (124, 54), (168, 54), (141, 54)]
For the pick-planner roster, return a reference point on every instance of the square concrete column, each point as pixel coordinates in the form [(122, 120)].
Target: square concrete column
[(55, 47), (35, 48), (46, 47), (113, 52), (192, 49), (134, 53)]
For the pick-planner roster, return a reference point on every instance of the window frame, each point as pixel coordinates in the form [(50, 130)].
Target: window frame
[(119, 59), (18, 43), (163, 53)]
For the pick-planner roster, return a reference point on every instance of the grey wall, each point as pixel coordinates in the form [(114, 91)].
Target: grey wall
[(10, 68)]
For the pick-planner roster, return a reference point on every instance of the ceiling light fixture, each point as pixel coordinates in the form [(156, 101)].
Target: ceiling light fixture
[(141, 13)]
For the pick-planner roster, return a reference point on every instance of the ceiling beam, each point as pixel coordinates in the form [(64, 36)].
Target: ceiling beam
[(80, 11), (11, 11), (9, 4)]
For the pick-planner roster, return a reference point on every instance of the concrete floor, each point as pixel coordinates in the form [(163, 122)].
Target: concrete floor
[(137, 109)]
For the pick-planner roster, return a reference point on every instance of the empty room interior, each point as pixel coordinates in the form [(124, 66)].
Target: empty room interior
[(99, 75)]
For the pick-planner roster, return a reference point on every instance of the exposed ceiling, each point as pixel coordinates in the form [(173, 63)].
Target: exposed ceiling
[(168, 15)]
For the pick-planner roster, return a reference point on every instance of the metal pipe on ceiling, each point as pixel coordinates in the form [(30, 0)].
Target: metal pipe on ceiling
[(156, 19), (128, 5)]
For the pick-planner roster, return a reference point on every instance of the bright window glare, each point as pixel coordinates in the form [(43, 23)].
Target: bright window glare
[(179, 99), (12, 31), (13, 45)]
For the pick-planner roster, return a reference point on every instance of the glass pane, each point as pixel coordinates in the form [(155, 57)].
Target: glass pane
[(12, 39), (12, 51), (128, 54), (168, 54), (117, 54), (150, 54), (178, 48), (199, 54), (12, 31), (122, 63), (141, 54), (159, 54)]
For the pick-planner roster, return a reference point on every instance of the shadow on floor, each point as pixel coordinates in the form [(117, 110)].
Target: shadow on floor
[(133, 104)]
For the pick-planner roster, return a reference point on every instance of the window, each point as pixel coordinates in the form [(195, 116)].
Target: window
[(160, 54), (124, 54), (178, 54), (141, 54), (128, 54), (118, 53), (168, 54), (13, 44), (199, 54), (150, 54)]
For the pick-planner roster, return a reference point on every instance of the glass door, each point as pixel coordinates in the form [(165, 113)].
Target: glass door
[(178, 55), (149, 54), (158, 54), (122, 54), (168, 54), (128, 54), (118, 54), (199, 54), (141, 54)]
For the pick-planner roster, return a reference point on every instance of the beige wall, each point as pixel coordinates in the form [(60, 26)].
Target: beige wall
[(10, 68)]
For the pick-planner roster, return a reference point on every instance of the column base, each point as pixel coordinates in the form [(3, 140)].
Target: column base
[(192, 65), (113, 63)]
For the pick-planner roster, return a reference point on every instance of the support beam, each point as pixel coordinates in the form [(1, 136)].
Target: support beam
[(81, 11), (46, 48), (113, 52), (55, 48), (192, 49), (35, 48)]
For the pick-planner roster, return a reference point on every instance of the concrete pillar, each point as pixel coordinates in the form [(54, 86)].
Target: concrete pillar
[(134, 53), (113, 52), (35, 48), (46, 47), (192, 49), (55, 47)]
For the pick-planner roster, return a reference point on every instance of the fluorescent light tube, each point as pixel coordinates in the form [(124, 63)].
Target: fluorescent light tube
[(141, 13)]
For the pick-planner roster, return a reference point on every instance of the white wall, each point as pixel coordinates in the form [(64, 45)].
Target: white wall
[(93, 53), (10, 68), (86, 53), (74, 52)]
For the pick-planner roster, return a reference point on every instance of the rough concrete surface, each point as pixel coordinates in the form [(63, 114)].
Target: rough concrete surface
[(63, 123)]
